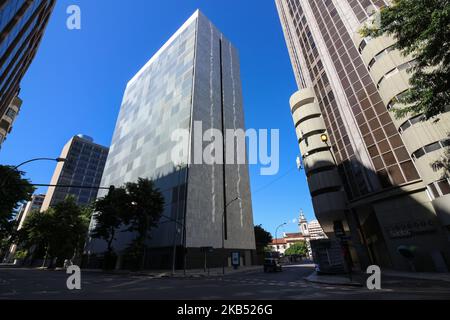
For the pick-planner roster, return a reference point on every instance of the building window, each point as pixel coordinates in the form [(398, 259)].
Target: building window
[(11, 113), (439, 188), (410, 122), (391, 72), (396, 99), (363, 44), (4, 125), (444, 187), (431, 148), (379, 55)]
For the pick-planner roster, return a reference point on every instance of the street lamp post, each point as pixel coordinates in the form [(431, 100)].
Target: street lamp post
[(223, 232), (40, 159), (32, 160), (276, 232)]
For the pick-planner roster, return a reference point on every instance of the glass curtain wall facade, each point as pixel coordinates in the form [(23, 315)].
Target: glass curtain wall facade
[(194, 78), (22, 25)]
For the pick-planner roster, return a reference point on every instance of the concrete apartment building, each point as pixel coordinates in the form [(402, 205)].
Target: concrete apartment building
[(25, 210), (194, 77), (22, 25), (369, 173), (33, 205), (84, 165), (8, 118)]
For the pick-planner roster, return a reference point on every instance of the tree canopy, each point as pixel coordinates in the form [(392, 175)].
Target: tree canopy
[(262, 238), (298, 248), (147, 208), (136, 208), (60, 231), (422, 29), (14, 190), (110, 212)]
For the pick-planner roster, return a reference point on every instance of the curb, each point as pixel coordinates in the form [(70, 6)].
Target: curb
[(312, 278), (161, 275), (395, 274)]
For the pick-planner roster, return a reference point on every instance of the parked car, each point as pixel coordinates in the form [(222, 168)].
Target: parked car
[(272, 265)]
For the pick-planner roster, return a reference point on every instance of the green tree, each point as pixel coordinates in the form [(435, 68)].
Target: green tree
[(36, 233), (262, 239), (422, 29), (68, 230), (60, 231), (298, 248), (14, 189), (147, 206), (110, 212)]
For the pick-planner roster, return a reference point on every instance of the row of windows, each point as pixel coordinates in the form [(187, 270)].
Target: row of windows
[(361, 8), (11, 113), (87, 149), (411, 122), (339, 47), (439, 188), (5, 125), (379, 55), (386, 159), (396, 99), (323, 91), (365, 101), (339, 139), (431, 148), (390, 73), (363, 44)]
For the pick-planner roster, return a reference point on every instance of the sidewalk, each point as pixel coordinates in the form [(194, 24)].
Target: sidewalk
[(417, 275), (193, 273), (359, 279), (341, 280)]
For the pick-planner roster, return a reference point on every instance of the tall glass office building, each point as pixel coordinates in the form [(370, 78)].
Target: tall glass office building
[(369, 172), (193, 78), (22, 25)]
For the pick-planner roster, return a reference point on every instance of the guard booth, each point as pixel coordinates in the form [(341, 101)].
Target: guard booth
[(327, 255)]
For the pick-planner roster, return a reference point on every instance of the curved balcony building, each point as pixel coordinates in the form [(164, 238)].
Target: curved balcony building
[(324, 182), (425, 141), (348, 89)]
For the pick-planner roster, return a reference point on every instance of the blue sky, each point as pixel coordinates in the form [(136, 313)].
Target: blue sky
[(75, 85)]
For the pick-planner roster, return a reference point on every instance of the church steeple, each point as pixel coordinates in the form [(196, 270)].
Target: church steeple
[(303, 224)]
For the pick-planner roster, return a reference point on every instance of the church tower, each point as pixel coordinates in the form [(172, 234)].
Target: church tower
[(303, 224)]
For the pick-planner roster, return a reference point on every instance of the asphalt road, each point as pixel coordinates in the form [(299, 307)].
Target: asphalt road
[(289, 284)]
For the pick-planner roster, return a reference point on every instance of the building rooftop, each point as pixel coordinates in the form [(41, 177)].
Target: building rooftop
[(278, 241), (293, 235)]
